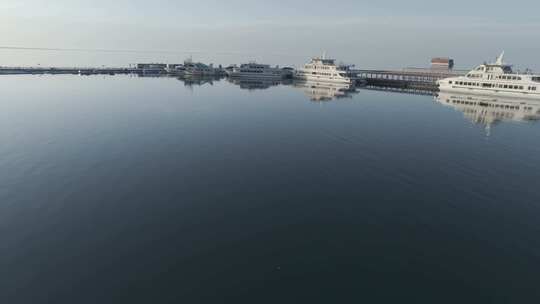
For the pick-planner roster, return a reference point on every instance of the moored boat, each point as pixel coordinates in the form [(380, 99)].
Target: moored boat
[(256, 70), (326, 70), (494, 79)]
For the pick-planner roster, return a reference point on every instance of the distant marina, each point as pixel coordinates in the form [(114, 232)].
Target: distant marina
[(440, 76), (320, 69)]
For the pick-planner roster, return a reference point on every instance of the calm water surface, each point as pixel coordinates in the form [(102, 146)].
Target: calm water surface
[(122, 189)]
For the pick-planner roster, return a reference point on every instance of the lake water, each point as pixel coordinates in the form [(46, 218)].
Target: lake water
[(123, 189)]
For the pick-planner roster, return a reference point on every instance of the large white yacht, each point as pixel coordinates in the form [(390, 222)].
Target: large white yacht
[(496, 79), (326, 70), (255, 70)]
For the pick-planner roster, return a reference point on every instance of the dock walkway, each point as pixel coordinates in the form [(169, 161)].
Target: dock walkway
[(410, 76)]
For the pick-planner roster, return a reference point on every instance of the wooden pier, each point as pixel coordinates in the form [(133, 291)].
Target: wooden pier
[(72, 70), (411, 77), (408, 78)]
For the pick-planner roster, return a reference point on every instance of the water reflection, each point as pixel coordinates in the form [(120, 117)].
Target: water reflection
[(489, 111), (320, 91), (190, 81), (257, 84), (316, 91)]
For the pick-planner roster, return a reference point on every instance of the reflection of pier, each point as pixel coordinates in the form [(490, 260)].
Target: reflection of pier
[(321, 91), (400, 89), (489, 111)]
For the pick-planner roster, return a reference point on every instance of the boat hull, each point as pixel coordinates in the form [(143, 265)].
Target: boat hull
[(324, 79), (255, 75), (490, 92)]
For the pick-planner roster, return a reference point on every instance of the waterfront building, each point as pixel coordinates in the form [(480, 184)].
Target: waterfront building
[(443, 63)]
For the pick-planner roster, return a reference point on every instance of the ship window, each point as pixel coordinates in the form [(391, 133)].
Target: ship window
[(521, 87), (450, 82), (537, 79)]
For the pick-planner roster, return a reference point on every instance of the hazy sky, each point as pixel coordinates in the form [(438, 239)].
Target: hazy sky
[(389, 34)]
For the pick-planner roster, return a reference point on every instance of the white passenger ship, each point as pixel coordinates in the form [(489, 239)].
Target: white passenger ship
[(255, 70), (496, 79), (326, 70)]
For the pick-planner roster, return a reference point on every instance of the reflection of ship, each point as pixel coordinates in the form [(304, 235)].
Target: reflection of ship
[(190, 81), (495, 79), (491, 110), (325, 91), (255, 84)]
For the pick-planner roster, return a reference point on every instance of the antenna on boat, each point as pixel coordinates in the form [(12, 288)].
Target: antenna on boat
[(324, 55), (500, 59)]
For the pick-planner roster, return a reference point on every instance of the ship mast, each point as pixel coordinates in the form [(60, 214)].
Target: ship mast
[(500, 59)]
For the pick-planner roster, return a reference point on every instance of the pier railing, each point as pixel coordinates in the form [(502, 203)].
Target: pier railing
[(408, 75)]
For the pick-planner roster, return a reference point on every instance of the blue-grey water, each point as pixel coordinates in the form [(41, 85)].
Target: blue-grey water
[(120, 189)]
